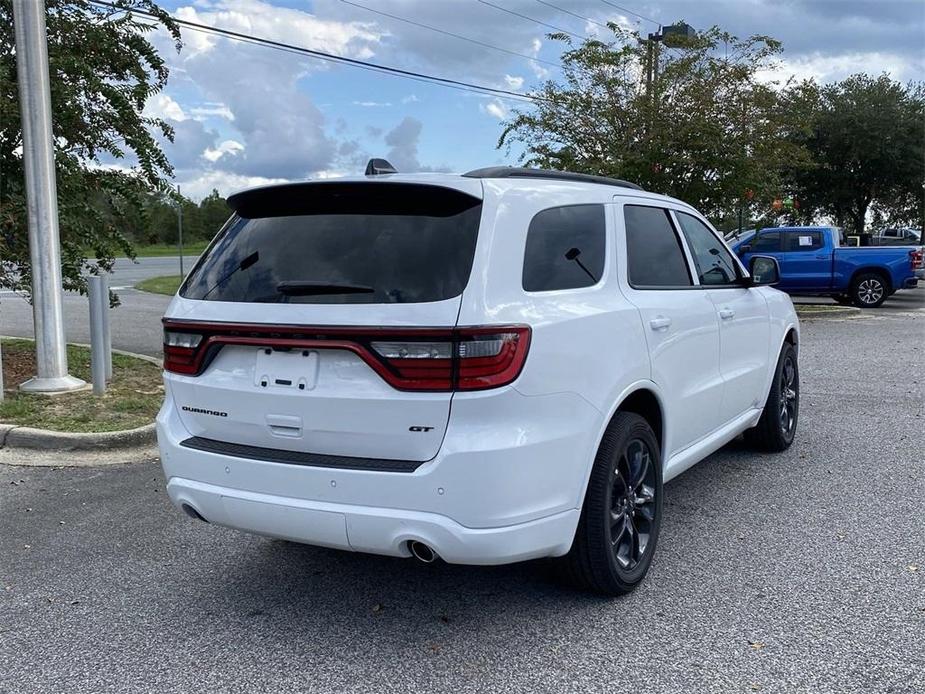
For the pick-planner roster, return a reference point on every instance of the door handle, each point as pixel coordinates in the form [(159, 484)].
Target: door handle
[(822, 257), (660, 323), (726, 313)]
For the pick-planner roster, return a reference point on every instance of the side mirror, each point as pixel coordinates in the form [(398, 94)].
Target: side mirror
[(764, 269)]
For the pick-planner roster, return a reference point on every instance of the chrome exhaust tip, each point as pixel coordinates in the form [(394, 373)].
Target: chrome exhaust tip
[(422, 552), (192, 513)]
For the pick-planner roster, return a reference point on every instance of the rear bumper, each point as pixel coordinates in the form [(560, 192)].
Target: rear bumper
[(506, 486), (374, 530), (913, 282)]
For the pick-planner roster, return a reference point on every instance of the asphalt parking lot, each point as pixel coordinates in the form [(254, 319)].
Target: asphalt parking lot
[(799, 572)]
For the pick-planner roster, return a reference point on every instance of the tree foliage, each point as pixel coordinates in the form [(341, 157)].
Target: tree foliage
[(710, 131), (866, 141), (103, 69)]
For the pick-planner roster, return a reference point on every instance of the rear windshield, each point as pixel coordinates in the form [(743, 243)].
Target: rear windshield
[(330, 243)]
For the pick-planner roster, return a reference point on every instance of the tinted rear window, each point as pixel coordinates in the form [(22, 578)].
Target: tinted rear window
[(341, 244), (565, 248)]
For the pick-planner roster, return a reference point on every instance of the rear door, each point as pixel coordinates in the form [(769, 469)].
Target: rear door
[(680, 323), (325, 315), (743, 317)]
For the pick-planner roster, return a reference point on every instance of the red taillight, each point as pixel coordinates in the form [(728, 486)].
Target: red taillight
[(465, 359), (424, 359), (181, 351), (917, 258)]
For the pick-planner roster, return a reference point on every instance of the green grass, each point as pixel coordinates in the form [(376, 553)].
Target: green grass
[(161, 250), (167, 284), (824, 308), (131, 400)]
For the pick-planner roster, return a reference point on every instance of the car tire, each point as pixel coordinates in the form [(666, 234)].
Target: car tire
[(777, 427), (869, 290), (619, 524)]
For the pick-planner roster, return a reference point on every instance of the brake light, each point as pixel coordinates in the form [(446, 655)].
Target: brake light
[(415, 359), (917, 257), (180, 351), (468, 359)]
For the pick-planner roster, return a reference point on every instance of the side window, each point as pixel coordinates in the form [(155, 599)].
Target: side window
[(714, 262), (565, 248), (654, 255), (768, 242), (803, 240)]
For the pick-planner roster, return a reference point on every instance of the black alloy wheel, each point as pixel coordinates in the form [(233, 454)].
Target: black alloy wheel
[(632, 504), (622, 511), (777, 426)]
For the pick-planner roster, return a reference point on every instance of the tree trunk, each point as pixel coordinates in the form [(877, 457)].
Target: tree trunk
[(859, 215)]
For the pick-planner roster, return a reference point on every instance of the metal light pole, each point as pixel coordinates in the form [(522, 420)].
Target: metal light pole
[(180, 229), (42, 200)]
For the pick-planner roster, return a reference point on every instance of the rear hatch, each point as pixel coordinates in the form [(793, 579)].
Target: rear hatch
[(322, 319)]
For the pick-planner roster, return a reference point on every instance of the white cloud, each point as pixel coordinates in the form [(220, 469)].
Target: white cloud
[(231, 147), (211, 110), (833, 67), (199, 186), (538, 69), (286, 25), (372, 104), (495, 108), (514, 82), (162, 106), (410, 99)]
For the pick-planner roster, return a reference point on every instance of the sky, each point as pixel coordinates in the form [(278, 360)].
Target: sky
[(246, 114)]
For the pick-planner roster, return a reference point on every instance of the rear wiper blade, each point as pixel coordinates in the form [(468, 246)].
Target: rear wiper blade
[(243, 265), (306, 288)]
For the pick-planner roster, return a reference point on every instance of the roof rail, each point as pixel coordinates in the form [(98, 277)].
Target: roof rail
[(523, 172)]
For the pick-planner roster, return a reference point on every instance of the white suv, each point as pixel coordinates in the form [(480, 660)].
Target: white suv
[(489, 367)]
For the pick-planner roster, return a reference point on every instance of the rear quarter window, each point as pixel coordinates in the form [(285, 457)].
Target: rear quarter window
[(565, 248), (341, 244)]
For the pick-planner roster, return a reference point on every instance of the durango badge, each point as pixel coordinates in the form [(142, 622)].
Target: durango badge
[(197, 410)]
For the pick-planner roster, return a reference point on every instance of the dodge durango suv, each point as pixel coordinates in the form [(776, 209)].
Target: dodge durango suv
[(490, 367)]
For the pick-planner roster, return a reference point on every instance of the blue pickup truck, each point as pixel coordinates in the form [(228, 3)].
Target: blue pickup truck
[(813, 261)]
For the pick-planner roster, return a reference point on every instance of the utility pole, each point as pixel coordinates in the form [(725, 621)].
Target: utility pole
[(41, 200)]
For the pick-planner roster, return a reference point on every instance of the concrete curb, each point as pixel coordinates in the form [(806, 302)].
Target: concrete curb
[(47, 440), (21, 445)]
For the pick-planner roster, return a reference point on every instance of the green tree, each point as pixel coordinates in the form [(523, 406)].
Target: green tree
[(103, 69), (866, 139), (712, 132), (214, 211)]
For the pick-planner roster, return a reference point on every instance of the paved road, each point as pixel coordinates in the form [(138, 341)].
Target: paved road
[(136, 324), (785, 573)]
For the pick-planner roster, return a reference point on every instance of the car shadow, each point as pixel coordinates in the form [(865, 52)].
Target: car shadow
[(311, 592)]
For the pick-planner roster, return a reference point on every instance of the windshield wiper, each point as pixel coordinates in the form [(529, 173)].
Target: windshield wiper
[(306, 288)]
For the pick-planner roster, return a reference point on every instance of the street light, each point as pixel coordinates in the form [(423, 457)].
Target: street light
[(671, 35), (179, 206)]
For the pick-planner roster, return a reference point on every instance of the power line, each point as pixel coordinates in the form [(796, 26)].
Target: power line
[(531, 19), (450, 33), (635, 14), (321, 55), (574, 14)]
